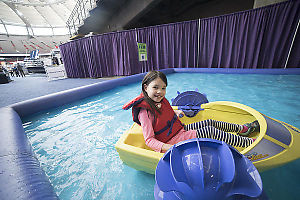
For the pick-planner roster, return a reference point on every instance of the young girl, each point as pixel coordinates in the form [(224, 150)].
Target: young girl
[(162, 128)]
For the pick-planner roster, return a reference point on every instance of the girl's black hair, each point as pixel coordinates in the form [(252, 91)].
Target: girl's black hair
[(150, 76)]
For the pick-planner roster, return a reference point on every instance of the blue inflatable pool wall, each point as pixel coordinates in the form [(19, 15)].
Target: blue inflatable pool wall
[(21, 176)]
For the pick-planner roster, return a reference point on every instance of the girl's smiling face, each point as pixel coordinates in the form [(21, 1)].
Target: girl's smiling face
[(156, 90)]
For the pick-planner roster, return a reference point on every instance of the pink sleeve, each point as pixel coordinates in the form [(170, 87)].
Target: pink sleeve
[(146, 119)]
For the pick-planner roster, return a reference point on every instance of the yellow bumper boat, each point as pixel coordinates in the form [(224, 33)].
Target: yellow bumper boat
[(276, 144)]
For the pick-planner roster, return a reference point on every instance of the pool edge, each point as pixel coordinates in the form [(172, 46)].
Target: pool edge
[(14, 133)]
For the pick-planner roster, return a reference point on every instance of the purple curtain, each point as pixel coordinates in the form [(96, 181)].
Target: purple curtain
[(102, 54), (88, 58), (281, 23), (294, 60), (258, 38), (115, 53), (72, 56), (226, 40), (170, 45)]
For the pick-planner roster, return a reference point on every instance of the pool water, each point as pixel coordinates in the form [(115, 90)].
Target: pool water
[(75, 143)]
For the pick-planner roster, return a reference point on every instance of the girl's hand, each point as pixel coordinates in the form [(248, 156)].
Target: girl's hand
[(179, 113), (165, 147)]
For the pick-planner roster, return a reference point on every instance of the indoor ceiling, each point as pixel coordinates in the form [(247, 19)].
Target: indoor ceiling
[(26, 25), (117, 15)]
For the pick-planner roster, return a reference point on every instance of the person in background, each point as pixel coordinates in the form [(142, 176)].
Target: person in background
[(20, 70), (55, 61), (11, 72), (16, 72)]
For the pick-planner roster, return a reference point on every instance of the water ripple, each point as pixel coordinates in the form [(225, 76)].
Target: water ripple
[(75, 143)]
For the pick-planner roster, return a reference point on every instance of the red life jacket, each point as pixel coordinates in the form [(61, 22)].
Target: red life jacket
[(166, 124)]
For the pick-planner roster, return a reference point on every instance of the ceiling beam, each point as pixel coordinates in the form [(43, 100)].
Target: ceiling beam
[(35, 7), (26, 22), (4, 27)]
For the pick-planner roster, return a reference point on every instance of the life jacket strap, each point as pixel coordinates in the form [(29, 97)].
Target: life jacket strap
[(169, 125)]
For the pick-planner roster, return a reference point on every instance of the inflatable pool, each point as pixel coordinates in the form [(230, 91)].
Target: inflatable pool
[(276, 144), (21, 175)]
